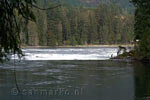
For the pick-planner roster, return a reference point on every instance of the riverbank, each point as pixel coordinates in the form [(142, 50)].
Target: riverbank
[(80, 46), (130, 56)]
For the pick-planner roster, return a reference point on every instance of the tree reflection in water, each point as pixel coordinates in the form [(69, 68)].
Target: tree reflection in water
[(142, 81)]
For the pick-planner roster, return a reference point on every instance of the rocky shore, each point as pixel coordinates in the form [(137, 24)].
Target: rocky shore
[(130, 57)]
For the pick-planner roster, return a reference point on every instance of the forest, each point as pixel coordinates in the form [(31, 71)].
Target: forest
[(79, 25)]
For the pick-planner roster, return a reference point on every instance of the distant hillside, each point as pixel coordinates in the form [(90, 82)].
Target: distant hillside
[(125, 4)]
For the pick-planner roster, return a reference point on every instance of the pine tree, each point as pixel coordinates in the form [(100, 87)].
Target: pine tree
[(142, 26)]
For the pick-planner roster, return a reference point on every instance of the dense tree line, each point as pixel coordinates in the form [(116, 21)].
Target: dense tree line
[(66, 25), (142, 27)]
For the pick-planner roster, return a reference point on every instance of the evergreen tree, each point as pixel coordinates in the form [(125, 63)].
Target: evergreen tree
[(107, 24), (142, 26), (92, 31), (12, 12)]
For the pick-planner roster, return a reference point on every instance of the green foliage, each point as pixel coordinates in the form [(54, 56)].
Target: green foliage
[(107, 24), (142, 27), (10, 24)]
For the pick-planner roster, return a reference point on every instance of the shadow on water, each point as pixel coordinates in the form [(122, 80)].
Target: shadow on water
[(75, 80), (142, 81)]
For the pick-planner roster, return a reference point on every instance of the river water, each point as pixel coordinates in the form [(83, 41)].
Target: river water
[(73, 74), (69, 54)]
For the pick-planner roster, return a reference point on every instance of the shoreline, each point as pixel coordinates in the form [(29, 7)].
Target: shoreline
[(80, 46)]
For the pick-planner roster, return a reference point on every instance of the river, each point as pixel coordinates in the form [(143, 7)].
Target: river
[(73, 74)]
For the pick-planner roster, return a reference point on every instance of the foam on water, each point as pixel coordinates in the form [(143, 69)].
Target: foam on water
[(68, 54)]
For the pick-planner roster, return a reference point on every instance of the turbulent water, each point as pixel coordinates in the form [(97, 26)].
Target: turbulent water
[(41, 75), (69, 54)]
